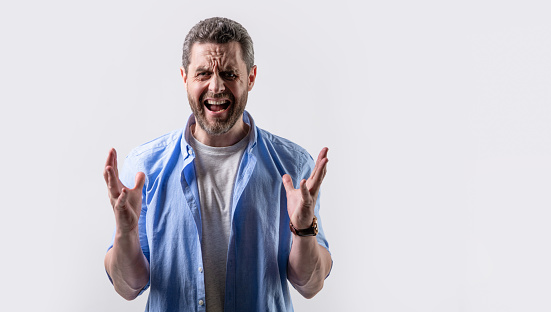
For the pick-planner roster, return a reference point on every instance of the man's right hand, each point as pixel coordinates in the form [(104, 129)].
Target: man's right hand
[(125, 262), (127, 203)]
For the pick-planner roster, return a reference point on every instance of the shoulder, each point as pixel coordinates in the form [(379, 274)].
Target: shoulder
[(156, 151), (282, 144), (283, 149)]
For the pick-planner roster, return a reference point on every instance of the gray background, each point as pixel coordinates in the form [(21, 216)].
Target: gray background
[(437, 115)]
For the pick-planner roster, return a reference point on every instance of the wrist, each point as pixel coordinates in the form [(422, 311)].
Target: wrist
[(127, 237), (127, 247), (311, 230)]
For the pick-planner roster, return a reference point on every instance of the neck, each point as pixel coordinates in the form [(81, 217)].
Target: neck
[(236, 133)]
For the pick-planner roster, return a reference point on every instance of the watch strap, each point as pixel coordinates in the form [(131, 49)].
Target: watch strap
[(311, 231)]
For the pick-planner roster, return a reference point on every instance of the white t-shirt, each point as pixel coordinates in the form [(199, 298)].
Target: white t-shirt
[(216, 168)]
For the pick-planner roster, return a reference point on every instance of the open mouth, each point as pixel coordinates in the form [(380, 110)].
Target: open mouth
[(218, 105)]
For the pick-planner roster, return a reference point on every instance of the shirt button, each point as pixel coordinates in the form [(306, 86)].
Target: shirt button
[(200, 270), (201, 302)]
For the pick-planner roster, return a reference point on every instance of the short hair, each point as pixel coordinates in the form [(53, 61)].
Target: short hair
[(219, 30)]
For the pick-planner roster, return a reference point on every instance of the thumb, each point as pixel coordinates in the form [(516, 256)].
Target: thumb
[(287, 182), (304, 190), (140, 181)]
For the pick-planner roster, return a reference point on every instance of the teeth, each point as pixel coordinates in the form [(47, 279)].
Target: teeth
[(216, 102)]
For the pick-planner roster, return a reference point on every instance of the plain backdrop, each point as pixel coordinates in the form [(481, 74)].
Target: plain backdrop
[(437, 115)]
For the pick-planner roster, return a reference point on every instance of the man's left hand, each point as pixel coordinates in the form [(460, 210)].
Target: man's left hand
[(302, 201)]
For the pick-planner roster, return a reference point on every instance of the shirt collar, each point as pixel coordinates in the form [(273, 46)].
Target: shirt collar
[(187, 150)]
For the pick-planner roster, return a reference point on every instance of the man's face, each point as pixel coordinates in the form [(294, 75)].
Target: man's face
[(217, 84)]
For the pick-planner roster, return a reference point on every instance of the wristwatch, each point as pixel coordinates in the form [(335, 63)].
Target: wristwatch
[(311, 231)]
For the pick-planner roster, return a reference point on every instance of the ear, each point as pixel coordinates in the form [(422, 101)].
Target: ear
[(184, 76), (252, 77)]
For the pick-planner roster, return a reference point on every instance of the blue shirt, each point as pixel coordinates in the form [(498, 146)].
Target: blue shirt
[(260, 240)]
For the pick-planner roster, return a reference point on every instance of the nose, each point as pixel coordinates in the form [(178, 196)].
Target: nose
[(216, 84)]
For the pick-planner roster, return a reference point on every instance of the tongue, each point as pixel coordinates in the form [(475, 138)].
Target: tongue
[(216, 108)]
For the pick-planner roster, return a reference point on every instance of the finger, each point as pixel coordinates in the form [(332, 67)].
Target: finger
[(320, 165), (120, 204), (109, 161), (304, 190), (324, 170), (139, 181), (115, 163), (105, 175), (317, 179), (112, 183), (322, 155), (288, 183)]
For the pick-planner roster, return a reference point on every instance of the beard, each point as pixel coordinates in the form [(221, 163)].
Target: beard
[(219, 125)]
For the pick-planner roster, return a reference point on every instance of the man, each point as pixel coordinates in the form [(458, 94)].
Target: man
[(214, 222)]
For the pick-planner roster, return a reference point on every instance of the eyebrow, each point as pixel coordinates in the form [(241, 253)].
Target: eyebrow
[(202, 69), (224, 70)]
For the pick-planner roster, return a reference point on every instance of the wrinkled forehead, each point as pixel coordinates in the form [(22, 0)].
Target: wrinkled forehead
[(221, 55)]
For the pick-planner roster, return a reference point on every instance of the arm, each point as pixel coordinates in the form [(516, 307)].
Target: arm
[(309, 263), (125, 262)]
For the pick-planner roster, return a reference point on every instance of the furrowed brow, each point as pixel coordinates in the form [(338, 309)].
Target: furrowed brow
[(202, 69), (230, 69)]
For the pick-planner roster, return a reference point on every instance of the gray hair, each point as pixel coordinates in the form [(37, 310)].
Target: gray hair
[(219, 30)]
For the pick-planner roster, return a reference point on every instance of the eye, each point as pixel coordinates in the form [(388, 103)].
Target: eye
[(228, 75), (203, 75)]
